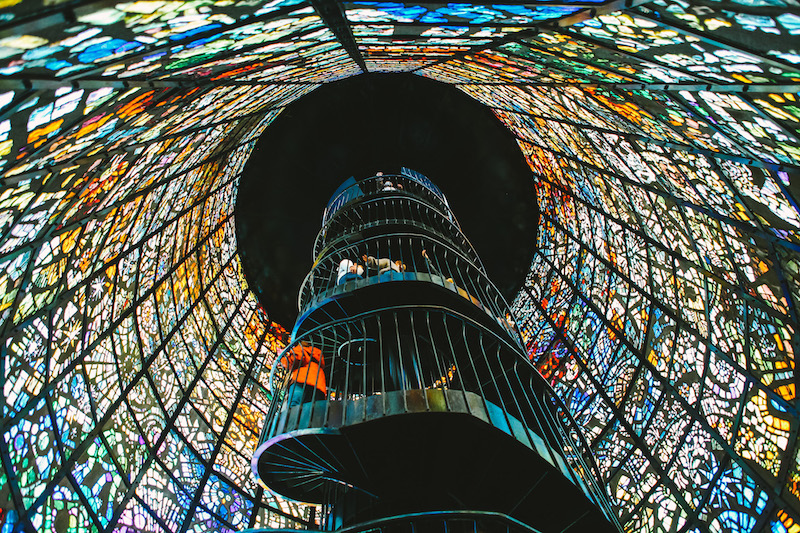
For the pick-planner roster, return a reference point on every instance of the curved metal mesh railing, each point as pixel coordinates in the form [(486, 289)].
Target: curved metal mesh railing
[(397, 257), (372, 214), (423, 180), (385, 185), (441, 360), (581, 460)]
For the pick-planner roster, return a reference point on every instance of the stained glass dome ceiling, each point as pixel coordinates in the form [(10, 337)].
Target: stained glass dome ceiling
[(661, 302)]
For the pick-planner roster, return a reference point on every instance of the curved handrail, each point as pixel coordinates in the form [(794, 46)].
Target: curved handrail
[(412, 237), (365, 188), (375, 200), (395, 222), (323, 297), (305, 336), (447, 514), (423, 180), (605, 505)]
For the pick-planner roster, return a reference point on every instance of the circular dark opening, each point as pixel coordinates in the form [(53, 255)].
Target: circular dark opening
[(371, 123)]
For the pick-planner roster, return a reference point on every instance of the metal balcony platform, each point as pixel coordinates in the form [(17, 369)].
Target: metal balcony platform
[(396, 289), (423, 450)]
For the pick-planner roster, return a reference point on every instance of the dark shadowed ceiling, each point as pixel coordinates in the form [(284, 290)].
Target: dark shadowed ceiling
[(371, 123)]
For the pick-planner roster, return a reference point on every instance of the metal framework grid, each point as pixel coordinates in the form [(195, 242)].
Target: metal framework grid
[(662, 303)]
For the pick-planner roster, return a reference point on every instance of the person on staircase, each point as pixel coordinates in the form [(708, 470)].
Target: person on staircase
[(384, 264), (307, 375)]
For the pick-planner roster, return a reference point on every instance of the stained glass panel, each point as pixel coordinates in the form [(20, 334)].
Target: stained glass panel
[(661, 303)]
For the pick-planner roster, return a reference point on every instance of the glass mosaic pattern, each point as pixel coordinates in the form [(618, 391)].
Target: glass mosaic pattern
[(661, 304)]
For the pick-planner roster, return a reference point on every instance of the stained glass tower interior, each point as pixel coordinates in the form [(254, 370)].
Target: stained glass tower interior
[(661, 303)]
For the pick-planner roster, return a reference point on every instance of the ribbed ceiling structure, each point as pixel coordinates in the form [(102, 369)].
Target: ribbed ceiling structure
[(661, 303)]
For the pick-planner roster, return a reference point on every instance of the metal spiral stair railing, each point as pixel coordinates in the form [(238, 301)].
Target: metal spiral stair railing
[(446, 267), (484, 395), (375, 186), (397, 210), (458, 521), (410, 349)]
